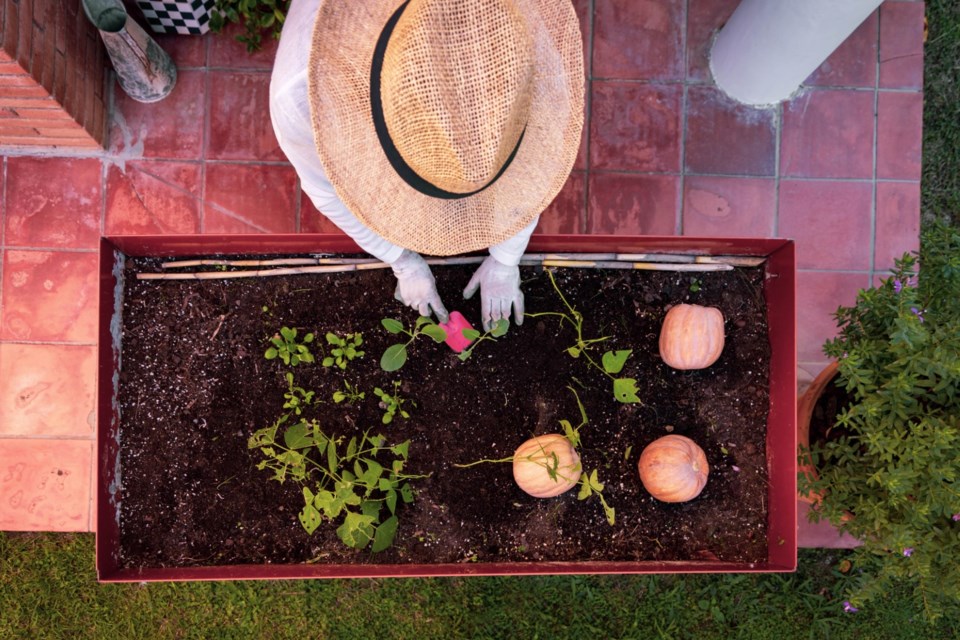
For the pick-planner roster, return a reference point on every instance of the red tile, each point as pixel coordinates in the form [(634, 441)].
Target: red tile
[(704, 20), (901, 45), (240, 127), (185, 51), (567, 212), (729, 207), (229, 53), (898, 221), (44, 210), (830, 221), (49, 296), (899, 135), (819, 293), (726, 137), (47, 390), (152, 197), (632, 204), (45, 485), (250, 199), (635, 127), (854, 63), (638, 39), (172, 128), (828, 134)]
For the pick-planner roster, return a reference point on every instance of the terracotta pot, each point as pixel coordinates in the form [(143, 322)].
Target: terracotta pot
[(805, 408)]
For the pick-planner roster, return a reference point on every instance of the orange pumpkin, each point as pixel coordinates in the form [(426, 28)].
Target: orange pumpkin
[(546, 466), (673, 469), (691, 336)]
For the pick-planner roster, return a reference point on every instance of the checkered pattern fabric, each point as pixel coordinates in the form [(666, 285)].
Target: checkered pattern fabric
[(188, 17)]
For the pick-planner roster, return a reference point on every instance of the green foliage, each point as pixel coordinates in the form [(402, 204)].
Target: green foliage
[(611, 362), (296, 399), (350, 394), (498, 330), (344, 349), (894, 465), (284, 345), (392, 404), (396, 355), (350, 486), (259, 18)]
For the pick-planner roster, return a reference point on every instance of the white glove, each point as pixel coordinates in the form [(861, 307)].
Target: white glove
[(499, 290), (416, 286)]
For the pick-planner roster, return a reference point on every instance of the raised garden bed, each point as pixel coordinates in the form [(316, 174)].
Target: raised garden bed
[(184, 384)]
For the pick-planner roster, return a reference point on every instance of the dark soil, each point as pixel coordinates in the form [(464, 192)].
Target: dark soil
[(823, 418), (195, 385)]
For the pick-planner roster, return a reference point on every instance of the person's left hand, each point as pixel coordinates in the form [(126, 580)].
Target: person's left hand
[(499, 291)]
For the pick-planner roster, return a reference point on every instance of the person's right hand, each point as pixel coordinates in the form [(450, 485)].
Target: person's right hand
[(416, 286)]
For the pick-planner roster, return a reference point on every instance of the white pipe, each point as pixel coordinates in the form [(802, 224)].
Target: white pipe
[(769, 47)]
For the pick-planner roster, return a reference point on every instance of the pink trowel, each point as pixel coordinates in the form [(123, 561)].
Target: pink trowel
[(454, 327)]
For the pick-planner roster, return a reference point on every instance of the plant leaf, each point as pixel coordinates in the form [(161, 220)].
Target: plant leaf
[(298, 436), (401, 449), (613, 361), (625, 390), (288, 334), (394, 357), (356, 530), (585, 490), (310, 518), (470, 334), (385, 534), (574, 352), (406, 492), (391, 325), (271, 353), (434, 331), (500, 328)]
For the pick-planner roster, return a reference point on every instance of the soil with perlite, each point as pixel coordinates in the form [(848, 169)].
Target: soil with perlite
[(195, 385)]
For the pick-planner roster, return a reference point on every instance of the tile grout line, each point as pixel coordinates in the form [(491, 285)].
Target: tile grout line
[(588, 120), (874, 149), (684, 104), (201, 214)]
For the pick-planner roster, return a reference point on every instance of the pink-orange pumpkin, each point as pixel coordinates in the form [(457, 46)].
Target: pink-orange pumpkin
[(673, 469), (546, 466), (691, 336)]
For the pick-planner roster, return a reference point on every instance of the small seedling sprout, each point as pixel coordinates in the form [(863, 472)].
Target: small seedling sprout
[(396, 355)]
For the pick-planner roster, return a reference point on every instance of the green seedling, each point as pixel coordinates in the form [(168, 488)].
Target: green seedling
[(344, 349), (296, 398), (498, 330), (695, 284), (611, 362), (350, 394), (284, 345), (392, 404), (350, 486), (396, 355)]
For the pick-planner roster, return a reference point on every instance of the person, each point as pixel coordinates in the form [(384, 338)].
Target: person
[(433, 127)]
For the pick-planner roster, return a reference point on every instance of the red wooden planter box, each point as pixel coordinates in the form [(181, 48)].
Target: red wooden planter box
[(781, 447)]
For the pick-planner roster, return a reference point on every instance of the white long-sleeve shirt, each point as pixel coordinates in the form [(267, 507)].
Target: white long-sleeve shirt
[(290, 115)]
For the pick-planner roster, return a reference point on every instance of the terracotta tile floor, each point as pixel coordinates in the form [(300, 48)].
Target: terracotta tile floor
[(664, 152)]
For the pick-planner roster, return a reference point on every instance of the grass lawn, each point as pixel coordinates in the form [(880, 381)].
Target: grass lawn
[(48, 589), (48, 585)]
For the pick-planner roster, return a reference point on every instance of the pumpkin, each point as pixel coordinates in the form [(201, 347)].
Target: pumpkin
[(673, 469), (546, 466), (691, 336)]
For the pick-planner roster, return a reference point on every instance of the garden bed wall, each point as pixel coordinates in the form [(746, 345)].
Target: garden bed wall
[(780, 445)]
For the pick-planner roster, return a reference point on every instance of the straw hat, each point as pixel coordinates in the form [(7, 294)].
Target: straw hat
[(446, 126)]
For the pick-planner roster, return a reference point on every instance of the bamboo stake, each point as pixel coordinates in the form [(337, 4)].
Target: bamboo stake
[(295, 266)]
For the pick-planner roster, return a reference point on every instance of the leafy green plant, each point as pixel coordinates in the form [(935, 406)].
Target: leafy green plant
[(350, 394), (284, 345), (498, 330), (259, 18), (296, 399), (890, 474), (392, 404), (351, 486), (395, 355), (344, 350), (611, 362)]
